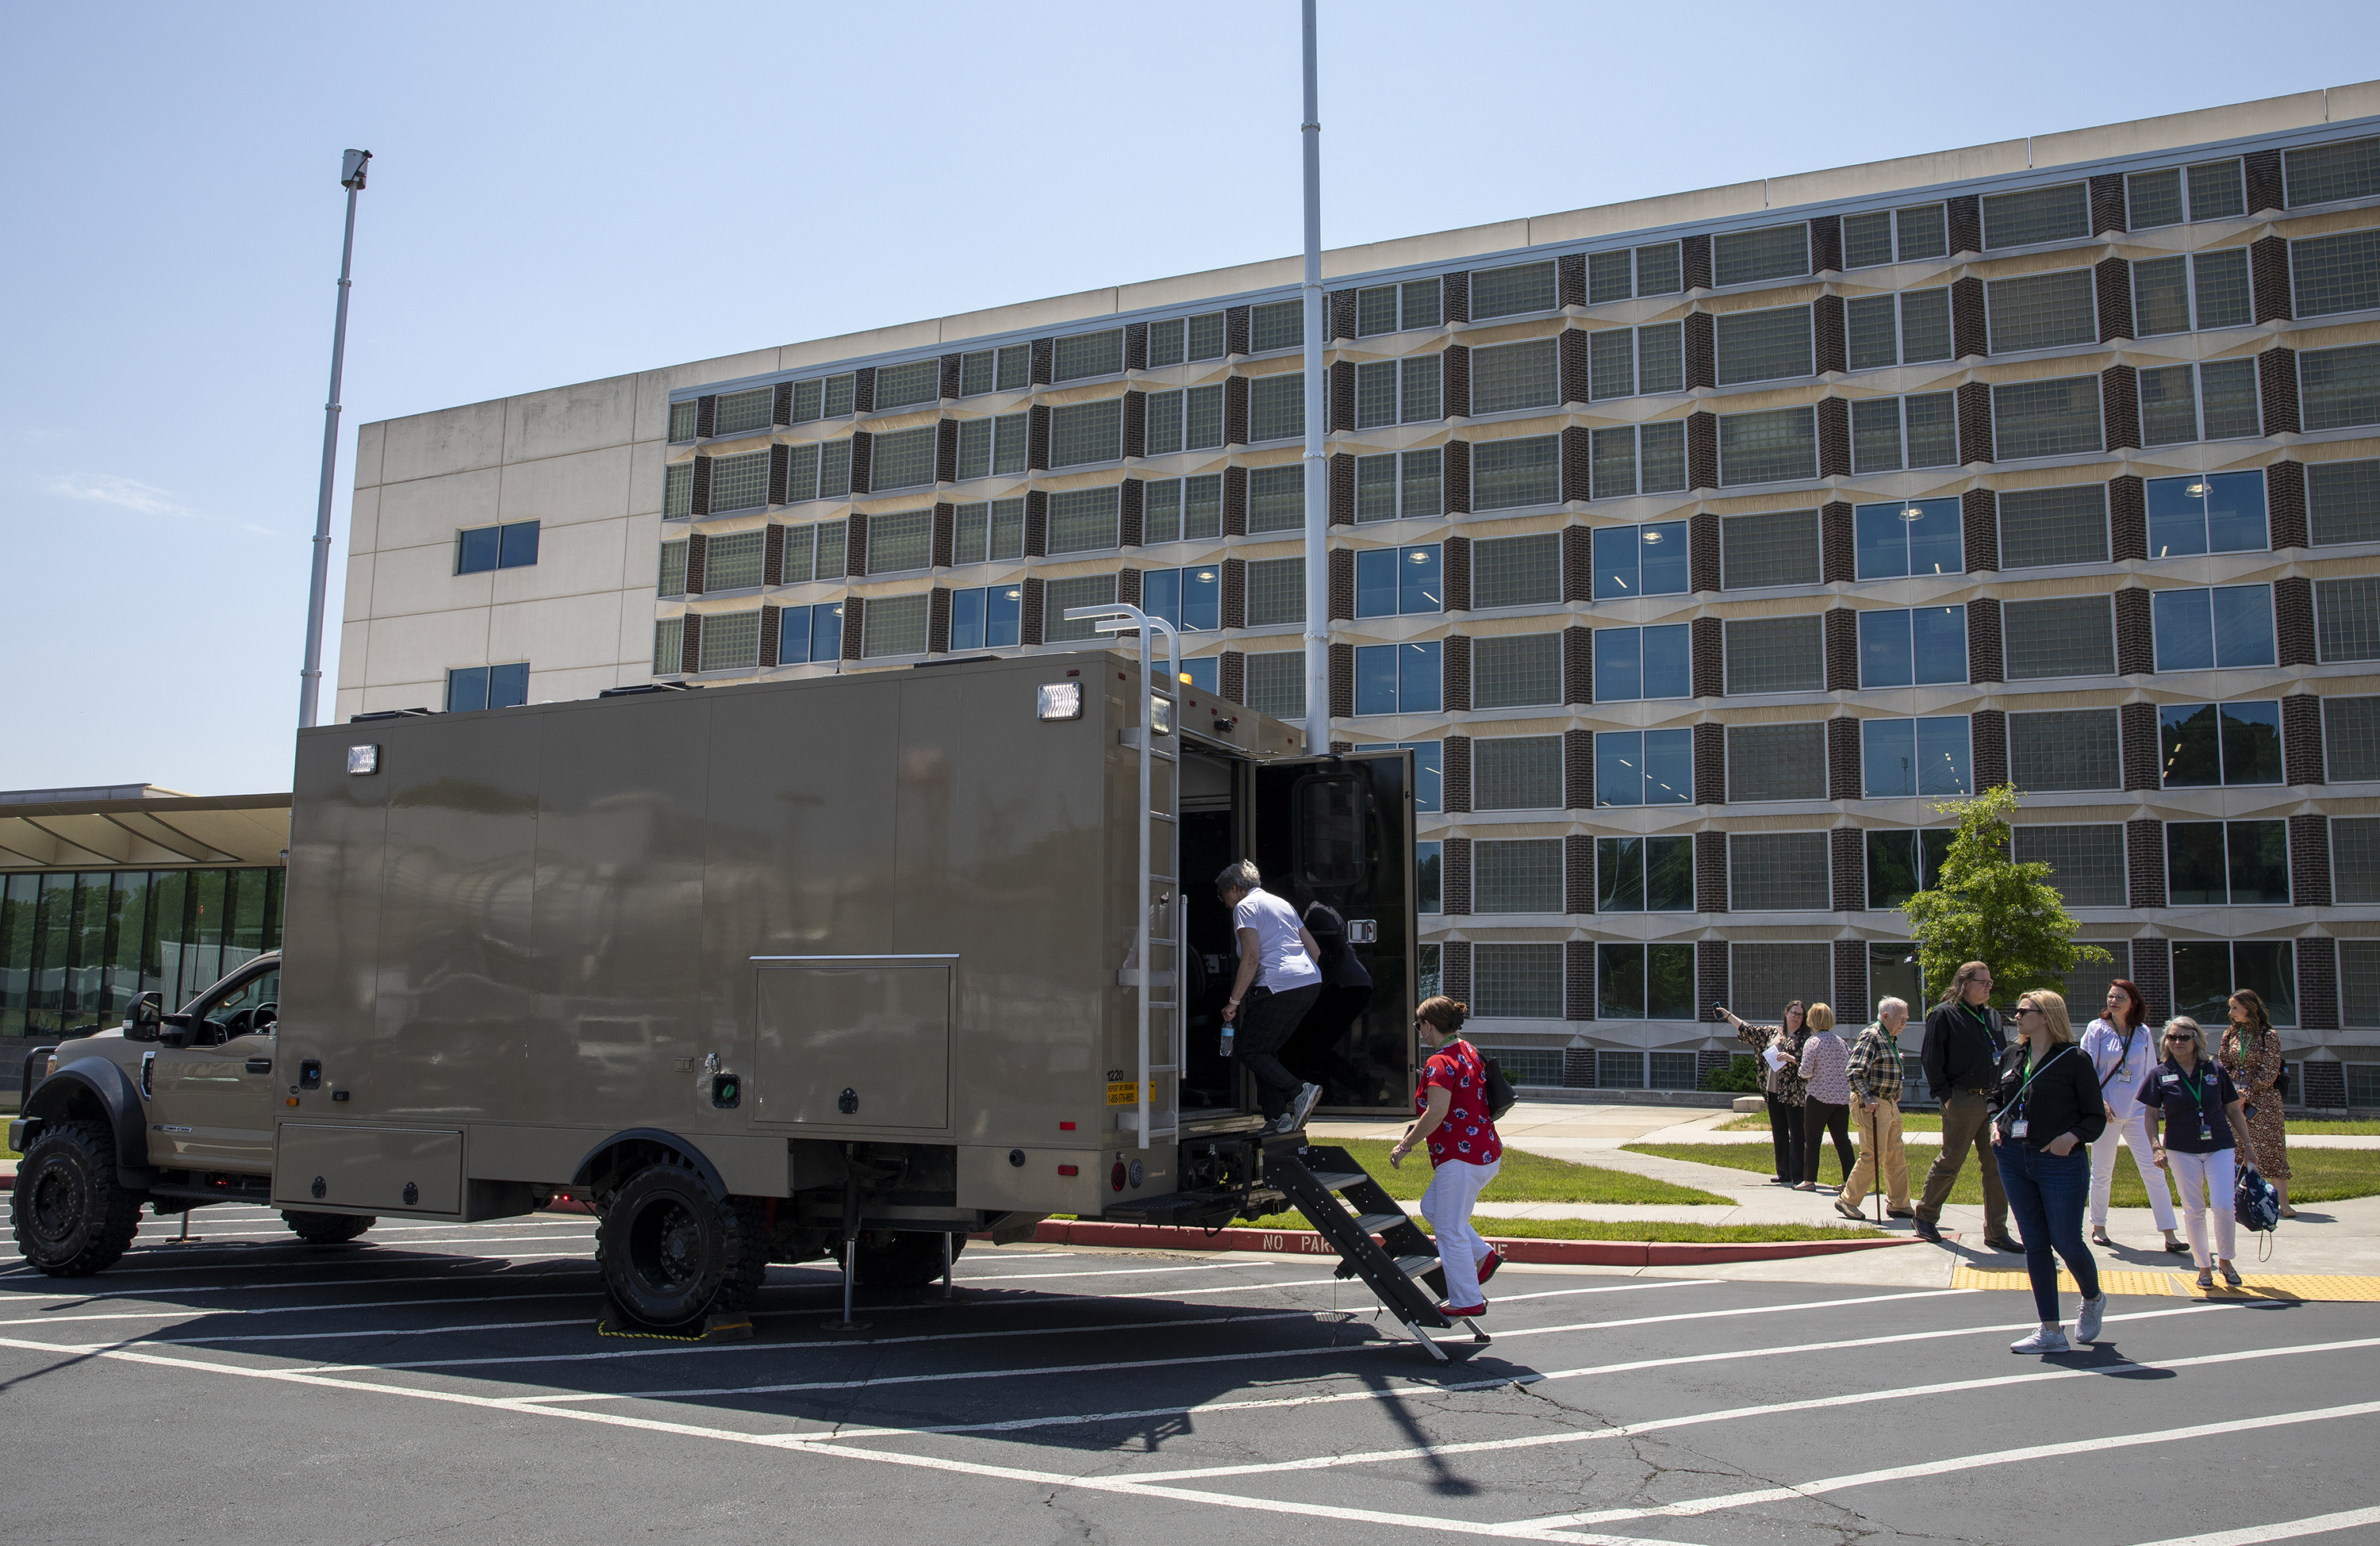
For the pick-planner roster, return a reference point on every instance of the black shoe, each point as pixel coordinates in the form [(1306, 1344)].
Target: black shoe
[(2002, 1242), (1899, 1213), (2179, 1248), (1927, 1231)]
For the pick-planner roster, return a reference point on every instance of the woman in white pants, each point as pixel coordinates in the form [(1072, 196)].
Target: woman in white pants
[(1455, 1122), (2122, 1051), (2194, 1097)]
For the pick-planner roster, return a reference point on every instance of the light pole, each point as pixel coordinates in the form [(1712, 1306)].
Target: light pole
[(1318, 475), (309, 680)]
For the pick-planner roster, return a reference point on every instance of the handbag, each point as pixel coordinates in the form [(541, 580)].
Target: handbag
[(1499, 1091), (2255, 1206)]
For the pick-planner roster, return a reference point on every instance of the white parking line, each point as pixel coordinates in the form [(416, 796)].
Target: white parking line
[(2287, 1529), (584, 1262)]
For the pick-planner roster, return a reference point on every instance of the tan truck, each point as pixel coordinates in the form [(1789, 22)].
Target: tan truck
[(887, 959)]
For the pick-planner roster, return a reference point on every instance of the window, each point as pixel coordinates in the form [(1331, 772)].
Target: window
[(1398, 678), (472, 687), (1776, 654), (1890, 433), (1517, 773), (2037, 215), (1642, 768), (1510, 377), (1392, 582), (1516, 670), (1008, 370), (904, 459), (1917, 647), (1640, 458), (824, 397), (1277, 498), (1428, 761), (2234, 863), (1276, 683), (2203, 290), (2086, 863), (2355, 860), (1633, 663), (1082, 433), (810, 636), (739, 482), (985, 617), (1191, 599), (1887, 235), (2228, 626), (996, 447), (1633, 270), (1084, 354), (511, 546), (2207, 744), (678, 490), (1430, 870), (2343, 501), (1777, 871), (1276, 325), (1183, 509), (898, 386), (2046, 418), (1507, 475), (2350, 739), (1764, 345), (1179, 339), (1398, 392), (1642, 982), (1516, 982), (1517, 875), (1624, 362), (731, 641), (814, 552), (737, 561), (681, 419), (988, 531), (738, 413), (2325, 173), (1763, 551), (1276, 592), (2215, 401), (1645, 874), (1777, 972), (669, 647), (1640, 560), (2338, 389), (1061, 597), (1511, 291), (2347, 619), (2206, 512), (1190, 419), (1908, 536), (2154, 199), (2064, 750), (1925, 756), (673, 571), (1776, 762), (1083, 520), (2042, 311), (1398, 485), (1397, 307), (819, 470), (1276, 407), (2065, 635), (2041, 528), (893, 625), (1767, 447), (1903, 862), (1903, 329), (1516, 572), (1771, 252), (2207, 973)]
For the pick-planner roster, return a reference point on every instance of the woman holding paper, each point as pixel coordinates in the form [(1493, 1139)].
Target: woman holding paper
[(1778, 1048)]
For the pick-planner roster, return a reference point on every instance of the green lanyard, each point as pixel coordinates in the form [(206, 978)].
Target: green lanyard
[(2197, 1088)]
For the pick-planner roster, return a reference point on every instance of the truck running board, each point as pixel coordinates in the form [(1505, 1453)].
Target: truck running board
[(1401, 1266)]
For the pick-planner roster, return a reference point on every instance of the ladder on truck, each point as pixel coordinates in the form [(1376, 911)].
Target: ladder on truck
[(1401, 1266), (1154, 971)]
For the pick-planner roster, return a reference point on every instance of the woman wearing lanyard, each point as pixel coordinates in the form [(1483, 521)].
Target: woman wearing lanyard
[(2047, 1106), (1781, 1085), (2188, 1090), (2122, 1051), (2250, 1054)]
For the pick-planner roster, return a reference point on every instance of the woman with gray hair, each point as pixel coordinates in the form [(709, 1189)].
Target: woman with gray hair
[(1277, 983), (2194, 1097)]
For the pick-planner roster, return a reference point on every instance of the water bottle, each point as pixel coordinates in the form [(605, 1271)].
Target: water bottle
[(1228, 1029)]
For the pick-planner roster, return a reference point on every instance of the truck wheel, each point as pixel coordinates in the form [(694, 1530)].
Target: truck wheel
[(905, 1260), (326, 1228), (71, 1216), (671, 1254)]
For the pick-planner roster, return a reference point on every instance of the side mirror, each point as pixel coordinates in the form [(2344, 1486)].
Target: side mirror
[(174, 1030), (142, 1016)]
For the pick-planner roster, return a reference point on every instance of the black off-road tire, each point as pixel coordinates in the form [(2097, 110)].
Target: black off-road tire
[(909, 1259), (70, 1215), (672, 1253), (326, 1228)]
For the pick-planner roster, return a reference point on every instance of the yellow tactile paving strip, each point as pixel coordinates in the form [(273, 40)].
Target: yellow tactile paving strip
[(2299, 1286)]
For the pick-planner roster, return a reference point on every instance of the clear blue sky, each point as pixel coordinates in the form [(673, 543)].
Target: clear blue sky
[(568, 192)]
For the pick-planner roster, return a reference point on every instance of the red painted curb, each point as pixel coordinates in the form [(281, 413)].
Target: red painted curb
[(1579, 1253)]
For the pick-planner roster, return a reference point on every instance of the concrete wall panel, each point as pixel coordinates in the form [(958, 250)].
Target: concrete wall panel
[(653, 386), (421, 648), (562, 633), (433, 509), (645, 459), (579, 417), (358, 602), (423, 579), (573, 559), (1890, 177), (559, 491), (363, 521), (582, 682), (2269, 116), (371, 442), (453, 439)]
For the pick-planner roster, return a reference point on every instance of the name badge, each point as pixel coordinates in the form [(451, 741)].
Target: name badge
[(2205, 1130), (2172, 1079), (2016, 1129)]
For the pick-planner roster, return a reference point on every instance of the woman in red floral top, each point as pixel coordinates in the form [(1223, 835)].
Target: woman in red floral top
[(1455, 1122)]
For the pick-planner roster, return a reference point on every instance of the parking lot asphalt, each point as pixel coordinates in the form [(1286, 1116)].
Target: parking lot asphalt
[(441, 1382)]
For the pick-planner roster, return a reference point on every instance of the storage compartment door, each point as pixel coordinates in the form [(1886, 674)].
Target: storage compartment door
[(412, 1170), (876, 1027)]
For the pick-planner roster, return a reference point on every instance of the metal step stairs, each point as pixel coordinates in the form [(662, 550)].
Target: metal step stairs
[(1401, 1267)]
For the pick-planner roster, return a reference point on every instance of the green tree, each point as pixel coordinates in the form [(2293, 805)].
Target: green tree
[(1985, 906)]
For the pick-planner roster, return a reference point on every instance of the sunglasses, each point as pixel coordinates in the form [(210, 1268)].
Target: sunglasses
[(2181, 1038)]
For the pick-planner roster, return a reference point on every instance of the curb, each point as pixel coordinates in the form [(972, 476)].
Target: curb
[(1577, 1253)]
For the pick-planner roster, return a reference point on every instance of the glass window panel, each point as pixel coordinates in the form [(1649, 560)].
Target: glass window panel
[(831, 548), (1375, 582), (2252, 742), (669, 647), (731, 641), (1202, 597), (1659, 270), (1772, 252), (1517, 773), (967, 620), (1925, 326), (2153, 198), (518, 545), (1509, 292), (1887, 657), (975, 373), (904, 459), (2037, 215), (1277, 406), (1421, 389), (2217, 191), (1611, 276), (2347, 619), (1202, 507), (1775, 655), (737, 412), (2160, 296), (1662, 357), (834, 470), (1612, 462), (1925, 232), (1376, 394), (1669, 661), (1767, 447), (1277, 683), (2168, 405), (678, 490), (1516, 571), (2064, 750), (1277, 499), (1777, 762), (2066, 635), (1517, 875), (917, 381), (1515, 671), (2219, 287), (1618, 665), (1429, 879), (2351, 731), (1420, 583), (1276, 592), (1943, 764), (1611, 364), (673, 575), (2086, 863), (1375, 487), (2244, 625), (2258, 854), (1867, 239), (2340, 388), (1778, 549), (1276, 325), (893, 625), (1872, 325), (1764, 345), (1941, 643), (1083, 520), (1619, 874), (1507, 475), (2042, 311), (840, 392), (1082, 433), (1165, 342), (1002, 612), (1376, 311), (2185, 630), (1661, 457), (2227, 391), (974, 449), (2322, 174), (1163, 429), (1669, 886), (1207, 335), (1933, 432), (475, 550), (1088, 354), (739, 482), (1514, 376), (682, 420), (2047, 526), (1015, 367), (1421, 304), (1516, 982), (1620, 767), (734, 562), (1419, 676), (2057, 418), (801, 555), (1777, 871), (1619, 995), (1062, 596), (826, 631), (1202, 418), (1160, 512), (2343, 501)]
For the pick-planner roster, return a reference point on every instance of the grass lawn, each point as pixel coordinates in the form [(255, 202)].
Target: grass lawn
[(1614, 1229), (1531, 1178), (2323, 1175), (1927, 1121)]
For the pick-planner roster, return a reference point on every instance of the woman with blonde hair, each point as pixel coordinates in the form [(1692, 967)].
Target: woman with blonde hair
[(1825, 1063), (1455, 1123), (2046, 1109), (2251, 1053), (2204, 1115)]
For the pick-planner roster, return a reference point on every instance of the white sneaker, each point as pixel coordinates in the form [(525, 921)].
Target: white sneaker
[(2048, 1339), (1288, 1122), (2086, 1319), (1303, 1107)]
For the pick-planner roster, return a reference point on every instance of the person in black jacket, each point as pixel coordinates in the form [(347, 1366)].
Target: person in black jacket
[(2046, 1110), (1962, 1050)]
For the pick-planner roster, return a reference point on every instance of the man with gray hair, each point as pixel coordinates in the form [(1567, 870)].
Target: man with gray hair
[(1875, 1114), (1277, 983)]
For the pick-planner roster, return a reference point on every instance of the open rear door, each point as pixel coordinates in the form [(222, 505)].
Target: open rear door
[(1339, 832)]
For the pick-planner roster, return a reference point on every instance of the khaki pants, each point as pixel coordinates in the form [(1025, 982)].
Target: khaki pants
[(1880, 1153), (1966, 1124)]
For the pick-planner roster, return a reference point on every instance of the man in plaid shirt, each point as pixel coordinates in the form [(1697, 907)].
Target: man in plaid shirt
[(1876, 1114)]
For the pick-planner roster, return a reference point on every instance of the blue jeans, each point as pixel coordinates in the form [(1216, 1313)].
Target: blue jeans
[(2046, 1194)]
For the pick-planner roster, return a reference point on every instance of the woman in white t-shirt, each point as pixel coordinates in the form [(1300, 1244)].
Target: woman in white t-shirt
[(2122, 1052), (1278, 983)]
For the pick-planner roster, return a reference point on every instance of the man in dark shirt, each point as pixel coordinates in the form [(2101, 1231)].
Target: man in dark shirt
[(1963, 1041)]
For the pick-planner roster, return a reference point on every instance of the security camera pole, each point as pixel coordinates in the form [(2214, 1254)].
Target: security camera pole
[(309, 680)]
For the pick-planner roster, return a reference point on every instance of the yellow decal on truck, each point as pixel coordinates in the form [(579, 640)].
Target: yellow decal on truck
[(1126, 1093)]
